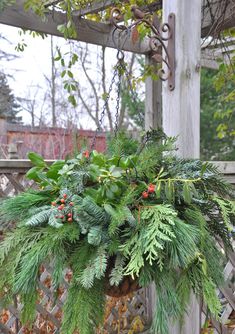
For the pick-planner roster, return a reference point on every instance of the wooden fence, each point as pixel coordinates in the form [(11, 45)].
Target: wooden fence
[(51, 143), (127, 315)]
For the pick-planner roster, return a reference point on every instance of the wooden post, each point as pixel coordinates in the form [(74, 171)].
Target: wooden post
[(3, 131), (153, 119), (3, 136), (181, 107), (13, 151), (153, 101)]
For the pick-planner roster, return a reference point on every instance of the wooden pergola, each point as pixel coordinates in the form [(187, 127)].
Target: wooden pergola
[(178, 110)]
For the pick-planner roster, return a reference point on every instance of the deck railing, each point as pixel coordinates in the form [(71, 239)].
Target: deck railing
[(123, 315)]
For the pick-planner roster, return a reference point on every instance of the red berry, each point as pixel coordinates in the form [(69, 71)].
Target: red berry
[(56, 217), (65, 195), (86, 154), (71, 204), (70, 219), (61, 217), (69, 214), (60, 207), (62, 200), (53, 203), (145, 194), (151, 188)]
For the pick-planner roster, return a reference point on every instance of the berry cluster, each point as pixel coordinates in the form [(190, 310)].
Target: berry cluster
[(65, 212), (150, 190), (86, 154)]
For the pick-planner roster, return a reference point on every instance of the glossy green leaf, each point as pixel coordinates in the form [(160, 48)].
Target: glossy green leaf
[(32, 174), (36, 159)]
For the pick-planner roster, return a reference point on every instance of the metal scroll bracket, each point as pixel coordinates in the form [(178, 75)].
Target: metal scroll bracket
[(161, 36), (162, 44)]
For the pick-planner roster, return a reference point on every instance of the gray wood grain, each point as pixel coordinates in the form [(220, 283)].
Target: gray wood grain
[(87, 31)]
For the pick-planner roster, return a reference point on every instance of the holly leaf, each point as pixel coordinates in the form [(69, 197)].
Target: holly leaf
[(32, 174), (53, 172), (37, 159)]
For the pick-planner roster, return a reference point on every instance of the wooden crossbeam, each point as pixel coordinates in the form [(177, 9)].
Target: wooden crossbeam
[(98, 33), (219, 43), (100, 5), (51, 3), (87, 31), (213, 58), (218, 17), (94, 7)]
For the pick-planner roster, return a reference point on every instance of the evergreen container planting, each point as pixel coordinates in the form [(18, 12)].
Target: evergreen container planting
[(120, 221)]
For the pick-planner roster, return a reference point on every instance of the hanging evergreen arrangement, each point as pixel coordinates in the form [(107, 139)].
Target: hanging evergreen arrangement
[(119, 221)]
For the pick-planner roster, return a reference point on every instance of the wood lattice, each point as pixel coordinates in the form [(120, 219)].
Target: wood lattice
[(127, 315), (227, 298), (123, 315)]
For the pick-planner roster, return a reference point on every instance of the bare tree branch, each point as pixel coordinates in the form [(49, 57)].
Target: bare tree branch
[(91, 83), (95, 119), (125, 84)]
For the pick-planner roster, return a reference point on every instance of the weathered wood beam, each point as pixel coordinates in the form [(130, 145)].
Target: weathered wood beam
[(51, 3), (99, 5), (219, 327), (225, 167), (209, 63), (218, 17), (219, 43), (95, 7), (153, 101), (181, 107), (212, 59), (229, 295), (87, 31)]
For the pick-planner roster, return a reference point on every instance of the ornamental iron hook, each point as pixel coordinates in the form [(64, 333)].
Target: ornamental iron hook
[(161, 39)]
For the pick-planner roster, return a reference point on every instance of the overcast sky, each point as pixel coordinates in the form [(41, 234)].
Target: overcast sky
[(29, 69), (31, 64)]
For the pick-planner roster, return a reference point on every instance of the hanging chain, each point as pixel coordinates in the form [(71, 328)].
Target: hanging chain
[(117, 71), (100, 122), (121, 69)]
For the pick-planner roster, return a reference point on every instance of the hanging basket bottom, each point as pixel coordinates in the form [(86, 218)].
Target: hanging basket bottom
[(127, 286)]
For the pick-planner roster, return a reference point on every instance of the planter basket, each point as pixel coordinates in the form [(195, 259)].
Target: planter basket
[(127, 286)]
